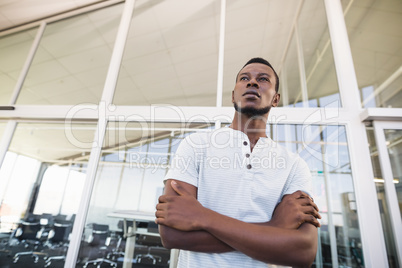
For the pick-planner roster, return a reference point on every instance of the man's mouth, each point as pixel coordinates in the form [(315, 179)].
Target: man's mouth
[(251, 93)]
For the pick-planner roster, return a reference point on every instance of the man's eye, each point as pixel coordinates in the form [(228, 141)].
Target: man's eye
[(243, 78), (264, 79)]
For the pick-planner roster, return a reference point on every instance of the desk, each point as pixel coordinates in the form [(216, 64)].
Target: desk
[(131, 231)]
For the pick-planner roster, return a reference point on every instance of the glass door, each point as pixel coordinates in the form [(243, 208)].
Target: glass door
[(388, 136)]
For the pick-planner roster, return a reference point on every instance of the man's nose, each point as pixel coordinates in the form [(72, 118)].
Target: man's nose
[(252, 83)]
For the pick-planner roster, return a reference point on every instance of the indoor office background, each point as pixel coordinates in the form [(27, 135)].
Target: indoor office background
[(96, 96)]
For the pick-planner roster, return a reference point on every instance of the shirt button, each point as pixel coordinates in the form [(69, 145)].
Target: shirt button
[(247, 155), (248, 166), (245, 143)]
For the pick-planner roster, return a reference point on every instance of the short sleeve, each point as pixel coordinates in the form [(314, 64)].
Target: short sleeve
[(184, 166), (300, 178)]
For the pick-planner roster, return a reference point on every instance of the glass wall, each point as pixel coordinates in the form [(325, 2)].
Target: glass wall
[(41, 181), (293, 38), (72, 60), (129, 180), (376, 39), (381, 195), (2, 128), (14, 50), (393, 139), (325, 149), (171, 54)]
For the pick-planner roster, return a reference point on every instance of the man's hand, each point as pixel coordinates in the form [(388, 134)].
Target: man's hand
[(182, 212), (294, 210)]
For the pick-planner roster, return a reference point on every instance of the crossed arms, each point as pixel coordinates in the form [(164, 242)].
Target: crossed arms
[(289, 238)]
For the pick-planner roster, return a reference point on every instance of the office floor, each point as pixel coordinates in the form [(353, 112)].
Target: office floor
[(7, 261)]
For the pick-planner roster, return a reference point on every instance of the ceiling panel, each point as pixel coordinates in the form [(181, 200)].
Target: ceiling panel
[(14, 13)]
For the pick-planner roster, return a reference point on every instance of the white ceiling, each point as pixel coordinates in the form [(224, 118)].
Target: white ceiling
[(18, 12)]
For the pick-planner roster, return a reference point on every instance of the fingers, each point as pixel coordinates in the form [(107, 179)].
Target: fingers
[(311, 219), (310, 210), (302, 197), (178, 188), (299, 194), (160, 213), (308, 202)]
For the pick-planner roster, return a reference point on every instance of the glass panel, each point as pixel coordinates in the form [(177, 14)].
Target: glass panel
[(14, 50), (376, 39), (290, 76), (72, 60), (325, 150), (171, 54), (2, 128), (318, 57), (381, 195), (393, 139), (41, 181), (265, 21), (129, 180)]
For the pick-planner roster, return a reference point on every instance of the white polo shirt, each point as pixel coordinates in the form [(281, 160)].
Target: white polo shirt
[(236, 182)]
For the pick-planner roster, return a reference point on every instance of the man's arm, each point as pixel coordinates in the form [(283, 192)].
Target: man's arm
[(173, 238), (264, 242)]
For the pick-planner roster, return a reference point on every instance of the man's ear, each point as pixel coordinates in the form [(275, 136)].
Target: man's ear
[(232, 96), (275, 100)]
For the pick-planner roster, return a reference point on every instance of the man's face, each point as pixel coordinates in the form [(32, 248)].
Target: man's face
[(255, 89)]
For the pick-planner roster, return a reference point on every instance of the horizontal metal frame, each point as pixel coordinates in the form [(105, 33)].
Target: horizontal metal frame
[(169, 113), (58, 17), (381, 114)]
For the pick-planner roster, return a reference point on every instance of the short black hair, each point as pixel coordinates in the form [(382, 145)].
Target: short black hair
[(263, 61)]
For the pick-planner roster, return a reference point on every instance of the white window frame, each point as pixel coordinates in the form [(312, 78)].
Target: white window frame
[(390, 191)]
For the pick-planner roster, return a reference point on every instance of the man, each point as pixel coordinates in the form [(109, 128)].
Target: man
[(220, 205)]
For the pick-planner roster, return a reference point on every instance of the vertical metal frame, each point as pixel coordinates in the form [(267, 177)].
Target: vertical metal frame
[(79, 223), (6, 139), (107, 96), (390, 192), (219, 87), (28, 62), (117, 55), (372, 237), (302, 70)]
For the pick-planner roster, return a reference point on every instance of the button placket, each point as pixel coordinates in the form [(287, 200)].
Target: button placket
[(246, 155)]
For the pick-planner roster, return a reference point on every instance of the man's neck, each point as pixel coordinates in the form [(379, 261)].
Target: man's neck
[(253, 128)]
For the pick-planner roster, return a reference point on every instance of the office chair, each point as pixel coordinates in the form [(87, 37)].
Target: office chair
[(58, 240), (27, 234), (100, 238), (118, 249), (156, 253)]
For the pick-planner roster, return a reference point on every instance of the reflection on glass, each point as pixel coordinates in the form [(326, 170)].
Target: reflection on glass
[(375, 40), (72, 60), (14, 50), (171, 54), (325, 150), (290, 78), (393, 140), (318, 57), (120, 226), (381, 195), (41, 181), (2, 128)]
